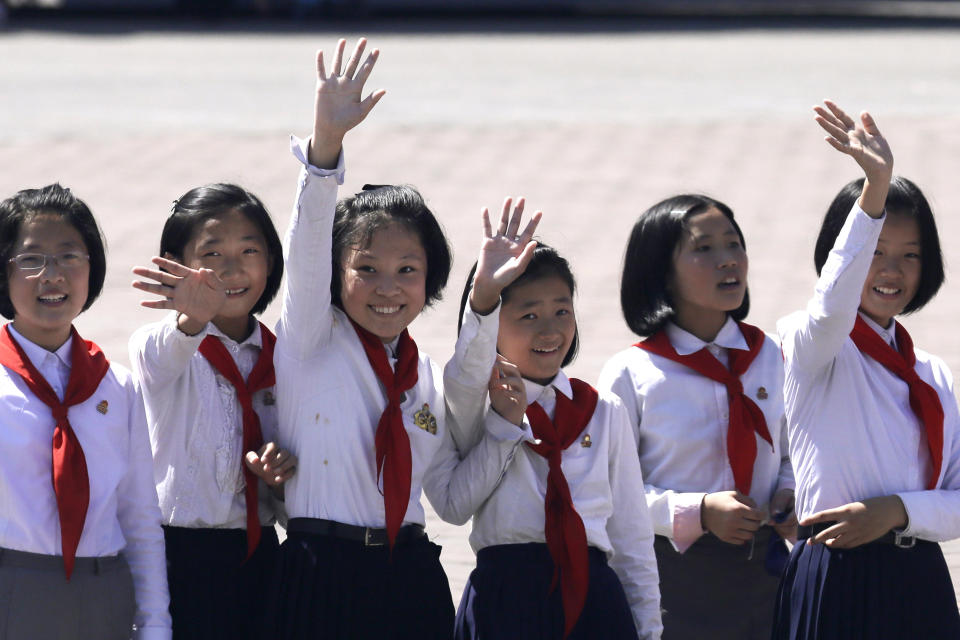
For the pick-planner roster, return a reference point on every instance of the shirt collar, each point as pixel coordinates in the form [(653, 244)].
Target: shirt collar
[(685, 343), (889, 334), (559, 383), (38, 354), (255, 339)]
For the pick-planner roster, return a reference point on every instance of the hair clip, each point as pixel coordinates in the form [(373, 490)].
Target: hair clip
[(176, 203), (372, 187)]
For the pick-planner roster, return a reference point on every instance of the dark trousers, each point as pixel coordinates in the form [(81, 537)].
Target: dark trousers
[(716, 590), (37, 602), (508, 597), (214, 592), (328, 587)]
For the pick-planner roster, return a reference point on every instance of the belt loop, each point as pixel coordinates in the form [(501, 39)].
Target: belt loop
[(2, 551), (96, 566)]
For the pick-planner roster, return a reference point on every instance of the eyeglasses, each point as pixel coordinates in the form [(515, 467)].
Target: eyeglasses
[(37, 261)]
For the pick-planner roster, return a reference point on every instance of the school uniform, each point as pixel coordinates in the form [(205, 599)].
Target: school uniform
[(854, 435), (681, 419), (343, 573), (217, 582), (99, 570), (512, 592)]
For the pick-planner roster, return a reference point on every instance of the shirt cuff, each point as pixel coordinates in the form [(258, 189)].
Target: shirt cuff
[(299, 147), (503, 430), (686, 520), (180, 336), (153, 633)]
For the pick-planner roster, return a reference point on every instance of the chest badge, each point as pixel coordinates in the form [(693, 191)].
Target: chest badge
[(586, 442), (425, 420), (102, 407), (268, 399), (762, 393)]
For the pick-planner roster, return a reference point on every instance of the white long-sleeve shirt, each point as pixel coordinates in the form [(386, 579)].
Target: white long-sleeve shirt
[(605, 480), (853, 434), (330, 400), (681, 418), (122, 517), (196, 425)]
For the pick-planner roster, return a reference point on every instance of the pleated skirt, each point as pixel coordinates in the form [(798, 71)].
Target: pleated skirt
[(215, 593), (873, 592), (508, 597), (328, 587)]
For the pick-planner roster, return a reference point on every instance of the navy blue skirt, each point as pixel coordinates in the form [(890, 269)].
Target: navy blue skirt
[(215, 593), (508, 596), (328, 587), (873, 592)]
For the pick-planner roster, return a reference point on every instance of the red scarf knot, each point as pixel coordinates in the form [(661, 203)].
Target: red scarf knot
[(924, 400), (262, 376), (564, 530), (746, 418)]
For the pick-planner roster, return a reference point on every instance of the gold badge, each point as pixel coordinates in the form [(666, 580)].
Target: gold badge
[(102, 407), (268, 399), (425, 420), (586, 442), (762, 393)]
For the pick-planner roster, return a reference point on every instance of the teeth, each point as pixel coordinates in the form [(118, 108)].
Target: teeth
[(887, 290), (52, 298), (233, 292), (729, 281), (546, 350), (386, 310)]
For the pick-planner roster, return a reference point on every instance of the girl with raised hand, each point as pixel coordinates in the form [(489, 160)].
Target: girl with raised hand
[(82, 556), (563, 543), (360, 406), (873, 421), (703, 391), (207, 377)]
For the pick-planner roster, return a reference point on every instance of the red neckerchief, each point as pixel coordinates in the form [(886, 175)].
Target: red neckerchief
[(923, 398), (746, 418), (262, 376), (394, 460), (71, 485), (565, 534)]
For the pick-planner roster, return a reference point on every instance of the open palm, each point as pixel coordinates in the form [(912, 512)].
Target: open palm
[(504, 255), (861, 140), (196, 293)]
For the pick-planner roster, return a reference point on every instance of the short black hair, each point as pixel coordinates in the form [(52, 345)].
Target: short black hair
[(904, 198), (546, 263), (198, 205), (648, 261), (360, 216), (52, 200)]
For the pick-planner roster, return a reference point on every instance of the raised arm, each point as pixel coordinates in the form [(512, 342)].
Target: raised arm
[(305, 318), (831, 313), (504, 256)]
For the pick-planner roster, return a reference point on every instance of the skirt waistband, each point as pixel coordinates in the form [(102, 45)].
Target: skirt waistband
[(368, 536), (527, 552), (890, 537), (43, 562)]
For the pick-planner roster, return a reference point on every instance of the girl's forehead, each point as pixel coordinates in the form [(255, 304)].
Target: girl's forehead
[(229, 224), (48, 229), (547, 288)]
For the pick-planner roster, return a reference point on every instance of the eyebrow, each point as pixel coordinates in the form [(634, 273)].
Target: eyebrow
[(366, 254), (219, 239), (534, 303), (731, 232), (67, 244)]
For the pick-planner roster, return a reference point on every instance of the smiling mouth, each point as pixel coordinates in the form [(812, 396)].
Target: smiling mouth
[(52, 298), (729, 283), (887, 291), (237, 292), (386, 311), (545, 351)]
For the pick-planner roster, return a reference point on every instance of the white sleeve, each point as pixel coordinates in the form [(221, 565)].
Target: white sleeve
[(811, 340), (466, 375), (630, 530), (139, 516), (306, 320), (160, 353)]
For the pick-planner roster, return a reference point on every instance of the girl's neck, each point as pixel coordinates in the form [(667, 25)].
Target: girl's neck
[(49, 339), (237, 329), (704, 324)]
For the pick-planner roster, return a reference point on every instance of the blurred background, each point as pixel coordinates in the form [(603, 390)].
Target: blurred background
[(594, 110)]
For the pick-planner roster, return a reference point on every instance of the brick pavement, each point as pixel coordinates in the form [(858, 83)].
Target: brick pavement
[(592, 127)]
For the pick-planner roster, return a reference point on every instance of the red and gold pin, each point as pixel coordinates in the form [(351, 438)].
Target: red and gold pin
[(425, 420), (762, 393), (586, 442), (102, 407), (268, 399)]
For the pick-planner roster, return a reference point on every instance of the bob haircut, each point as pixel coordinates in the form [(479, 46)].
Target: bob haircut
[(360, 216), (203, 203), (546, 263), (52, 200), (904, 199), (648, 262)]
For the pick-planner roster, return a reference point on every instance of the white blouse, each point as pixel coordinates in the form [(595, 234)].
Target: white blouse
[(680, 419), (853, 434), (196, 425), (122, 517)]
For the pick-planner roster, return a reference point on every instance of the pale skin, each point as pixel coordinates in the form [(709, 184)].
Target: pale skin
[(198, 295), (859, 522)]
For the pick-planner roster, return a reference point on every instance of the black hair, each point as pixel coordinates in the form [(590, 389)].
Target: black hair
[(904, 198), (648, 261), (360, 216), (198, 205), (546, 263), (53, 200)]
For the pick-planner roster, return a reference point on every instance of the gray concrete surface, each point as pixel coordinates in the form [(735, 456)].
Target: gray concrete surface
[(593, 122)]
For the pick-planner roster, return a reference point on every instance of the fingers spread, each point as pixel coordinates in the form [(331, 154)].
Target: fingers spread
[(321, 72), (514, 226), (530, 228), (338, 57), (354, 61)]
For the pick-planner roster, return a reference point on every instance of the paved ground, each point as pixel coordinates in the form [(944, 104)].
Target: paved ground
[(592, 122)]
